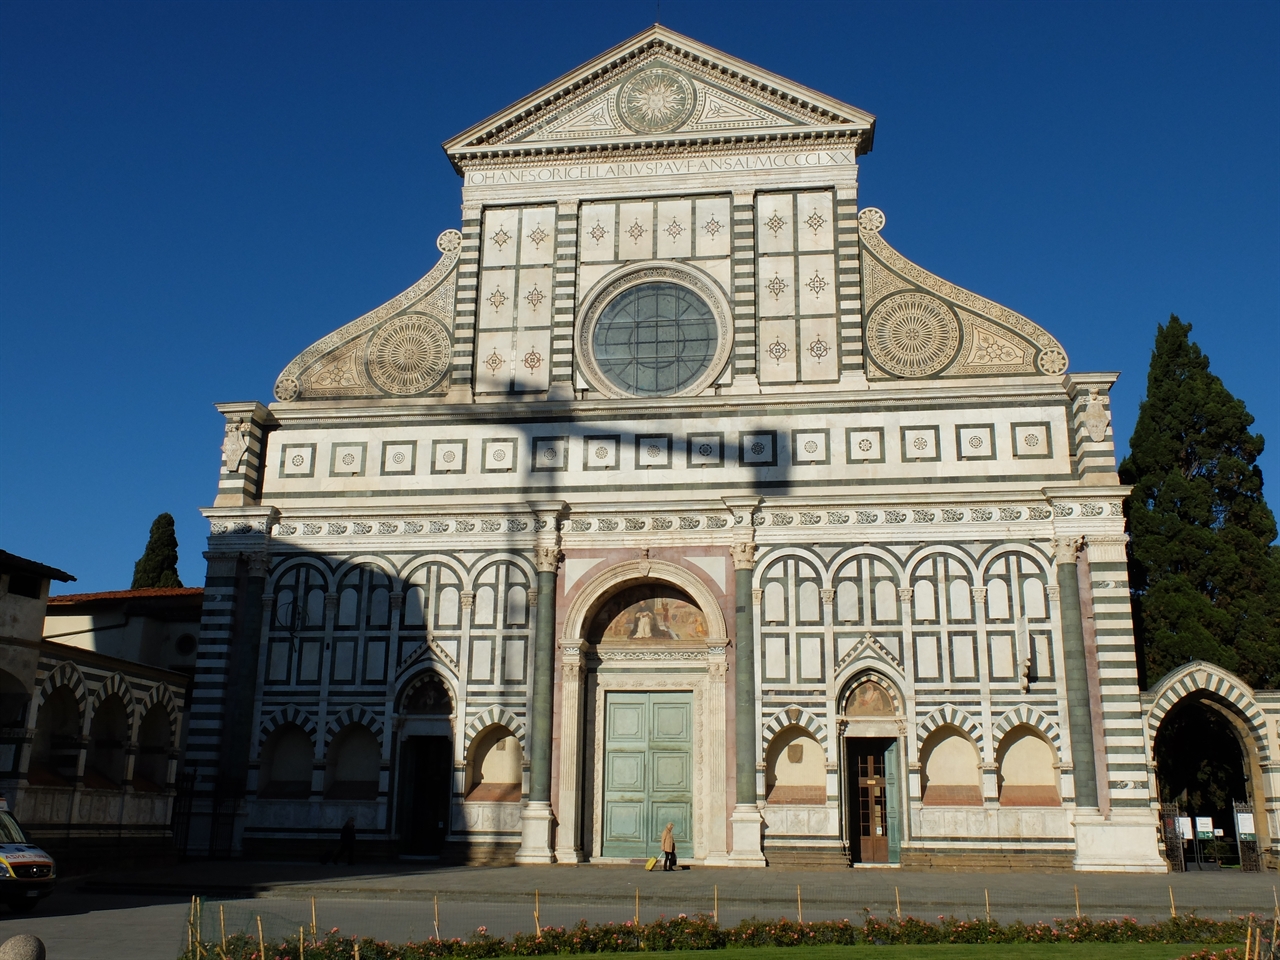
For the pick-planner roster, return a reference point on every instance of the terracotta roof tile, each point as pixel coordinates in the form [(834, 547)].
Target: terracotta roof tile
[(128, 594)]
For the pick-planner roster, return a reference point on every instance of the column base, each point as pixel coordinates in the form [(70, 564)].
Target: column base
[(1119, 844), (748, 836), (535, 833)]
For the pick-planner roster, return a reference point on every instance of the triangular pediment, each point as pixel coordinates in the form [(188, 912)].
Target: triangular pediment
[(660, 86)]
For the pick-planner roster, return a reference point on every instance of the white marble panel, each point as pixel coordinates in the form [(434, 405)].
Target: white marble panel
[(449, 457), (590, 275), (498, 236), (805, 820), (674, 229), (815, 226), (817, 291), (928, 666), (777, 355), (635, 231), (975, 443), (776, 287), (810, 658), (758, 448), (532, 361), (775, 227), (775, 658), (597, 231), (551, 454), (500, 455), (538, 235), (809, 446), (865, 446), (721, 271), (963, 662), (819, 358), (713, 222), (482, 659), (533, 297), (494, 361), (497, 299), (348, 459), (513, 660), (1002, 656)]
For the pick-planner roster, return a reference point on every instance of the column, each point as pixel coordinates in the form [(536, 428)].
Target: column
[(747, 822), (241, 681), (717, 832), (536, 818), (1076, 677), (569, 805)]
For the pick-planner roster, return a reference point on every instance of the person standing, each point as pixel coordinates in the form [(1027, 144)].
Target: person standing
[(346, 843), (669, 848)]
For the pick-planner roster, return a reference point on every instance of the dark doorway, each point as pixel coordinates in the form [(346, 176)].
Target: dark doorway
[(871, 774), (425, 786), (1200, 769)]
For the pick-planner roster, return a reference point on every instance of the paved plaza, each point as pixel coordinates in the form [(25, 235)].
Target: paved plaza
[(92, 918)]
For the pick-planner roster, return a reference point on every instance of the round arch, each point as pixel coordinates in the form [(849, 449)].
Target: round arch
[(634, 572), (1228, 696)]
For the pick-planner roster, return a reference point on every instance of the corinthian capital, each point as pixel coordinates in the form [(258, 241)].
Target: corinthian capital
[(744, 555), (1065, 549), (546, 559)]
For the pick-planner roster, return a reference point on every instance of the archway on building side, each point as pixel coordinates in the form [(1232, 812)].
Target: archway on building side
[(1208, 746)]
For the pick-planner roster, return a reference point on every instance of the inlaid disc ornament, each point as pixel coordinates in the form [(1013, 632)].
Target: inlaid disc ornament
[(656, 100), (913, 335), (409, 355)]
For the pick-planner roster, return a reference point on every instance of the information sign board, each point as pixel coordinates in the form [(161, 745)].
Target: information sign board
[(1204, 828), (1244, 827)]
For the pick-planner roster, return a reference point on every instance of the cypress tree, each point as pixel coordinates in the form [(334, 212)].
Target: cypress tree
[(1204, 577), (158, 565)]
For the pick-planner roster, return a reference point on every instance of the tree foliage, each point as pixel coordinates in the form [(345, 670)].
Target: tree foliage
[(1204, 576), (158, 565)]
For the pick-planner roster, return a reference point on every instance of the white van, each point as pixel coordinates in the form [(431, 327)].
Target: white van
[(26, 872)]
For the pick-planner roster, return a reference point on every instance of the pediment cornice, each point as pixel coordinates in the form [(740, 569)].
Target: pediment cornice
[(659, 90)]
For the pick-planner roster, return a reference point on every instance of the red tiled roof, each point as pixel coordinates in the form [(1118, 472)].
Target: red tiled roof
[(128, 594)]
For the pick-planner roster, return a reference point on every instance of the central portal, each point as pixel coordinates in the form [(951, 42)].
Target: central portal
[(648, 772)]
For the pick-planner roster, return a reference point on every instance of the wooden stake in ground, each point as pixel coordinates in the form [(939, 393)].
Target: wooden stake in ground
[(262, 941), (1248, 942), (200, 950), (715, 908), (1173, 908), (435, 901), (987, 897), (1077, 890), (357, 956), (302, 945), (898, 900), (313, 918), (222, 923), (637, 906), (537, 927), (191, 925)]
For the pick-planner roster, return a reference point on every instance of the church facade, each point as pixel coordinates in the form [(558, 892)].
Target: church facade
[(673, 493)]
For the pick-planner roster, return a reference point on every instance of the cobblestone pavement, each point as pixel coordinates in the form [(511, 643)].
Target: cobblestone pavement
[(94, 918)]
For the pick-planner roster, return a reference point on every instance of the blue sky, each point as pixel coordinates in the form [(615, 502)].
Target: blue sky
[(190, 194)]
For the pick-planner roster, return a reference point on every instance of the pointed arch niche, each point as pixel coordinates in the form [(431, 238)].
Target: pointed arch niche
[(641, 630)]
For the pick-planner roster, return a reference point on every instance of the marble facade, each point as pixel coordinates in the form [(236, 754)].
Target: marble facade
[(894, 508)]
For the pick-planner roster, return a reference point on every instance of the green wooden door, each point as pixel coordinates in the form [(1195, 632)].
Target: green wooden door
[(648, 773)]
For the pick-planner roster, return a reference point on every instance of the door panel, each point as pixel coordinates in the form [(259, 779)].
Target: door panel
[(872, 779), (648, 767), (670, 772)]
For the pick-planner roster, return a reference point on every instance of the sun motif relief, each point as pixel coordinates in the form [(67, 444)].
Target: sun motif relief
[(656, 100)]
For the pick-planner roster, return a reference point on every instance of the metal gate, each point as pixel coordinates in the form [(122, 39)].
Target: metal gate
[(1172, 839)]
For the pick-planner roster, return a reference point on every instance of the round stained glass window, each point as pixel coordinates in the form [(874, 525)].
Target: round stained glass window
[(654, 339)]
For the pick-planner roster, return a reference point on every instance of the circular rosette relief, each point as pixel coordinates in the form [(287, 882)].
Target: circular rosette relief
[(410, 355), (656, 100), (913, 335)]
